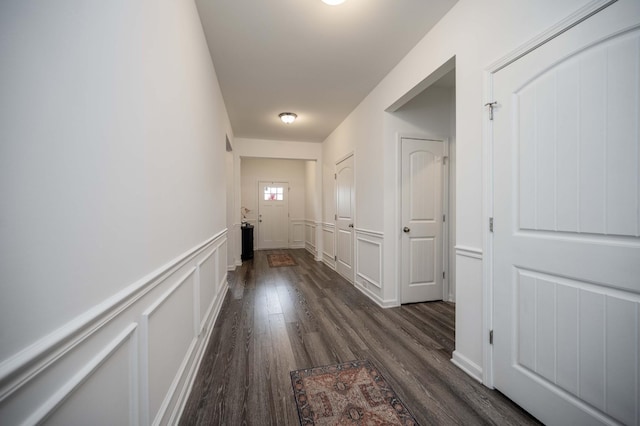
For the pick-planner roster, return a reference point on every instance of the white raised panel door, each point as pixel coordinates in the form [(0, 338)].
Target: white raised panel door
[(273, 215), (566, 224), (422, 245), (345, 210)]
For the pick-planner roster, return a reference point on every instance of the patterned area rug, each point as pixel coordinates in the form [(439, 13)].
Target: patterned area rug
[(277, 260), (353, 393)]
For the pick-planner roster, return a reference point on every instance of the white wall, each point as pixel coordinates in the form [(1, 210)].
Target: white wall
[(254, 170), (477, 34), (313, 206), (112, 227)]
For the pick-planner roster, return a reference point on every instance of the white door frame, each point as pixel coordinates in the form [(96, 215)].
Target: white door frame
[(258, 221), (445, 211), (335, 220), (487, 166)]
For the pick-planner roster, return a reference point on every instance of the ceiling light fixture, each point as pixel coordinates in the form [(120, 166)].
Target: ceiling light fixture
[(287, 117), (333, 2)]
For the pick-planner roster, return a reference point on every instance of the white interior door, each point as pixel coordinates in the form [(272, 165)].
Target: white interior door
[(273, 215), (422, 220), (566, 224), (345, 211)]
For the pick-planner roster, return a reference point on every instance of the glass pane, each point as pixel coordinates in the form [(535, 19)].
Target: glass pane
[(273, 193)]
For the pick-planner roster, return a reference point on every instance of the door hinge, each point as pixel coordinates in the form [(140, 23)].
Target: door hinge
[(491, 337), (444, 218), (490, 224), (491, 105), (443, 275), (335, 216), (444, 160), (335, 258), (335, 176)]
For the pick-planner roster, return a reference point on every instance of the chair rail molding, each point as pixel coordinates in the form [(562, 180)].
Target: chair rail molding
[(467, 251), (106, 346)]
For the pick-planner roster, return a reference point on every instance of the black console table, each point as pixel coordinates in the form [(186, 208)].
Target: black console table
[(247, 242)]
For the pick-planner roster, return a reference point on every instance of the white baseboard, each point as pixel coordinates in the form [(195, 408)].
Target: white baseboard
[(391, 303), (195, 366), (466, 365)]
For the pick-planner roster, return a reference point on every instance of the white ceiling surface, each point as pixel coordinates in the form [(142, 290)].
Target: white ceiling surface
[(306, 57)]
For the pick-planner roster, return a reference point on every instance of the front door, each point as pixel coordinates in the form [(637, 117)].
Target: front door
[(273, 215), (422, 220), (345, 211), (566, 256)]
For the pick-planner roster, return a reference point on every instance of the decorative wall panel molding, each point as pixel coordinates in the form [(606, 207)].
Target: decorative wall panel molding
[(106, 354), (369, 259), (368, 232), (328, 244), (310, 236), (369, 252), (125, 376), (297, 233)]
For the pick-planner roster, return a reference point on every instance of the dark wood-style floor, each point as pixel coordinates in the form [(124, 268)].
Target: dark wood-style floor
[(275, 320)]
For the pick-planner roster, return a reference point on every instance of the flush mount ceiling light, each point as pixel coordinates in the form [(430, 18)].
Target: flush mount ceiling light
[(333, 2), (287, 117)]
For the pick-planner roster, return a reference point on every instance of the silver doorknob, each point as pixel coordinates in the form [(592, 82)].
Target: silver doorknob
[(351, 225), (406, 229)]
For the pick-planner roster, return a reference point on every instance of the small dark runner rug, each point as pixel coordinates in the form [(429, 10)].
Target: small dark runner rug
[(277, 260), (353, 393)]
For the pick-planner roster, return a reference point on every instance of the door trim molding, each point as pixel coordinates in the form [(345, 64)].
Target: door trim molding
[(564, 25), (534, 43), (445, 210)]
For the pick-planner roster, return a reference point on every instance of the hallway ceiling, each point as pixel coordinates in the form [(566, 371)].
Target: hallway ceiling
[(306, 57)]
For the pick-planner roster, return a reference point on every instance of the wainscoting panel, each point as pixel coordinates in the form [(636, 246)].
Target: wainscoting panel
[(129, 360), (369, 254), (169, 333), (297, 233), (206, 288), (222, 260), (310, 236), (470, 323), (328, 244), (103, 389), (369, 260)]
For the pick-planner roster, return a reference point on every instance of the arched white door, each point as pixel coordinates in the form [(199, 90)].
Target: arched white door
[(345, 218), (567, 224)]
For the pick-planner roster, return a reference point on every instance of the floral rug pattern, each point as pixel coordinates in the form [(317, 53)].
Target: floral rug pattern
[(353, 393), (277, 260)]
